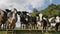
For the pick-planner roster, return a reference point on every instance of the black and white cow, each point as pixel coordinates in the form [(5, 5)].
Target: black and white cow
[(11, 19), (42, 21), (1, 17), (52, 21), (57, 20), (32, 22), (24, 18), (45, 23)]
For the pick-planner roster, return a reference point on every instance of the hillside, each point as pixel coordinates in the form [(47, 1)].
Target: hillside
[(50, 11)]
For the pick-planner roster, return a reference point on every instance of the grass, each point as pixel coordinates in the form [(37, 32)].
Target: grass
[(2, 32), (30, 32), (27, 31)]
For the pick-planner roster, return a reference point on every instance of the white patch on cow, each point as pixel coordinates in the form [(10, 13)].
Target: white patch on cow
[(9, 14), (44, 18), (57, 19), (50, 19), (53, 24), (13, 16), (37, 18), (40, 15), (26, 19)]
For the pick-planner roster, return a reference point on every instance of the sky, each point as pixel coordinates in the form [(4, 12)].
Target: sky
[(26, 5)]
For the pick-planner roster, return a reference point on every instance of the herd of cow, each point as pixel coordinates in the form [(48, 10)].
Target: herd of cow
[(8, 19)]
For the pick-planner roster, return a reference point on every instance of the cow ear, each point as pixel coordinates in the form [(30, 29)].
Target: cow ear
[(18, 13), (7, 10), (24, 12)]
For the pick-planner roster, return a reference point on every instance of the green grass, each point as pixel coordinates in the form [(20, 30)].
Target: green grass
[(2, 32), (27, 31), (30, 32)]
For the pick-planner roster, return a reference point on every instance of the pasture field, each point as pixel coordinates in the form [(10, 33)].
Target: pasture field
[(35, 32), (28, 32)]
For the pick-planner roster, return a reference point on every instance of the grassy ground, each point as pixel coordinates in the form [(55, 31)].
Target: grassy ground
[(2, 32), (28, 31), (35, 32)]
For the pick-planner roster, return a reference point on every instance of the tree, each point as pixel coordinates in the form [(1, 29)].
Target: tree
[(35, 12), (51, 10)]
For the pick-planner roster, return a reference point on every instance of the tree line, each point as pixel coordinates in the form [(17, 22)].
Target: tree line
[(50, 11)]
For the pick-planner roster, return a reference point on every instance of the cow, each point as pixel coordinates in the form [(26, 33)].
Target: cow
[(11, 19)]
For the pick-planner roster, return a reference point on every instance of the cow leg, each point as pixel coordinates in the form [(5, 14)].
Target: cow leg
[(34, 26), (21, 26), (4, 26), (57, 25), (10, 26), (37, 25), (7, 26), (0, 25), (13, 26), (43, 29), (46, 28), (30, 26)]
